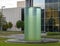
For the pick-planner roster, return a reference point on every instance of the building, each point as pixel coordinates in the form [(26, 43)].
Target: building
[(42, 20), (13, 15), (21, 4), (52, 15), (29, 3)]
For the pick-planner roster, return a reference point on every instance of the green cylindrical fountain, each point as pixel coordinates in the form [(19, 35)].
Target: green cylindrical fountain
[(32, 22)]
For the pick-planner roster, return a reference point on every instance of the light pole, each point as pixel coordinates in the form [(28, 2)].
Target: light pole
[(2, 9)]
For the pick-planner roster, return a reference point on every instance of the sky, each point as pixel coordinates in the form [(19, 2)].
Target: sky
[(13, 3), (39, 3)]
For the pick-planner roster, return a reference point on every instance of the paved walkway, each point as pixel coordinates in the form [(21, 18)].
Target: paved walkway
[(19, 36)]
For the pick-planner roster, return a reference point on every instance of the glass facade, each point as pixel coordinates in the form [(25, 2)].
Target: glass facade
[(51, 1), (29, 3), (42, 20), (52, 16), (33, 3)]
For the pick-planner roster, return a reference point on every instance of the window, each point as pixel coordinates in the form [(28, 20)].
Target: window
[(51, 1), (46, 1)]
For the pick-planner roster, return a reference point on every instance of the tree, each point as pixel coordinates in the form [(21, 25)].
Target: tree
[(3, 23), (1, 15), (51, 24), (20, 24), (5, 27), (10, 25), (1, 20)]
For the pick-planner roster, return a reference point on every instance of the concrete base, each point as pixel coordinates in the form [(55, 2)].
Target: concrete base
[(19, 38), (44, 40)]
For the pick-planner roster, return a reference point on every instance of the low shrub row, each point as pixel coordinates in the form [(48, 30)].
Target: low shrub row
[(53, 33)]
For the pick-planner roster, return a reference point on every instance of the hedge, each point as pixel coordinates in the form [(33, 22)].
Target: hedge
[(53, 33)]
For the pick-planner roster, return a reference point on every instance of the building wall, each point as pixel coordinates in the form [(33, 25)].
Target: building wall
[(54, 14), (29, 3), (52, 8), (21, 4), (12, 15), (42, 20)]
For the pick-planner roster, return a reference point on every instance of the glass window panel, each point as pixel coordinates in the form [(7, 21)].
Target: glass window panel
[(55, 1), (59, 6), (46, 1), (58, 0), (51, 1), (54, 5)]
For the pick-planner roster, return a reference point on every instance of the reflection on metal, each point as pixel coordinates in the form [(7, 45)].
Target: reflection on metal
[(32, 23)]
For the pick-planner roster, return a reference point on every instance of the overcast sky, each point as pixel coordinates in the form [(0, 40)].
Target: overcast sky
[(13, 3), (39, 3)]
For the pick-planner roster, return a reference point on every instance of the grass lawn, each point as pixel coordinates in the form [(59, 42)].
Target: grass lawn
[(2, 43), (55, 35), (5, 33)]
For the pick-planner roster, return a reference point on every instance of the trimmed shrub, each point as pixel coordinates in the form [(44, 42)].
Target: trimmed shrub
[(20, 24), (10, 24), (53, 33), (5, 27)]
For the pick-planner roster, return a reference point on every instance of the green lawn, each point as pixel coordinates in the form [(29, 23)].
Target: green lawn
[(2, 43), (55, 35), (5, 33), (14, 44)]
